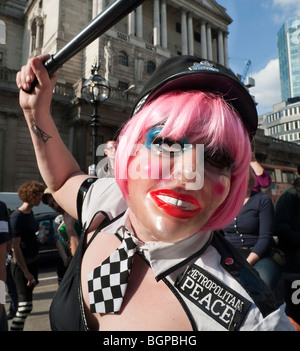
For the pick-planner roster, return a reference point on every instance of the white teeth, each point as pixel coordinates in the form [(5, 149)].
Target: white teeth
[(176, 202)]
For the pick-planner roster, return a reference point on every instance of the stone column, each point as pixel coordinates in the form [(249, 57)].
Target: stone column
[(156, 24), (226, 58), (220, 47), (164, 31), (131, 23), (190, 34), (209, 42), (98, 6), (184, 48), (38, 42), (95, 8), (139, 22), (203, 40)]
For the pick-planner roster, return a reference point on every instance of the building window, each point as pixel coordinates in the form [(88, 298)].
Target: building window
[(150, 67), (37, 34), (40, 44), (33, 36), (197, 37), (123, 85), (2, 33), (123, 59)]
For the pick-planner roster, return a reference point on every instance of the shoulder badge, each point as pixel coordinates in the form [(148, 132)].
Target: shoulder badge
[(213, 297)]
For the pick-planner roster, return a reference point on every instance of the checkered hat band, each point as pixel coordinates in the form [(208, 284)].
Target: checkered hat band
[(107, 283)]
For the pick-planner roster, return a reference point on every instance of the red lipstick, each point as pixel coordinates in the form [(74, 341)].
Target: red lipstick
[(176, 204)]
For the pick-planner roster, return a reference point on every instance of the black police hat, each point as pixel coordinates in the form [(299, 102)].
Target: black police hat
[(194, 73)]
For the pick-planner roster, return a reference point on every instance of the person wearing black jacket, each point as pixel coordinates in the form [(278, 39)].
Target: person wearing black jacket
[(25, 264), (287, 226)]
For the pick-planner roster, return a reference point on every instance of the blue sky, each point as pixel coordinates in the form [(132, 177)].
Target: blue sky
[(253, 36)]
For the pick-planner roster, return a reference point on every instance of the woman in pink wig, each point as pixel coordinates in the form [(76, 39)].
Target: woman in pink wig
[(152, 257)]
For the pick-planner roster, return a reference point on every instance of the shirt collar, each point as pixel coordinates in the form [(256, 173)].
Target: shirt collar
[(163, 257)]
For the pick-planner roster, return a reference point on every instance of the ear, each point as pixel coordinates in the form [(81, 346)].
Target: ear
[(105, 152)]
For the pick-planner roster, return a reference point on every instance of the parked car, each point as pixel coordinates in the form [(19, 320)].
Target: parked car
[(45, 235)]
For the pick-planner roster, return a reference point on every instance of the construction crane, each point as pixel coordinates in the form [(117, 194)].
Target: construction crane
[(245, 79)]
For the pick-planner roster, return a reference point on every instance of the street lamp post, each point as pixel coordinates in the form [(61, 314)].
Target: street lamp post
[(96, 89)]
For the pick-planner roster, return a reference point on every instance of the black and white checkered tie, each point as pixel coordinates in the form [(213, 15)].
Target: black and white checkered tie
[(108, 282)]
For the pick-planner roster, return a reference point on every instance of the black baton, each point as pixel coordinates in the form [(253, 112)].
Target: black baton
[(111, 15)]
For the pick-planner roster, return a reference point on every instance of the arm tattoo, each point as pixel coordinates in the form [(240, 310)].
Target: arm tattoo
[(40, 134)]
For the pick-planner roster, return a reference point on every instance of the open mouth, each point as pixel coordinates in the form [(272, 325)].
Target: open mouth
[(176, 204)]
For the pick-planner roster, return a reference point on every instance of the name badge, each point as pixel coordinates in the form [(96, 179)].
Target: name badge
[(213, 297)]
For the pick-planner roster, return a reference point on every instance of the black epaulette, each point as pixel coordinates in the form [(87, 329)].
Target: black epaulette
[(245, 274), (81, 195)]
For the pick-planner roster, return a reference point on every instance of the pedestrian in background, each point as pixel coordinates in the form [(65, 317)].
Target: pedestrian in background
[(262, 177), (107, 168), (66, 234), (287, 226), (10, 284), (25, 250), (5, 232), (251, 232)]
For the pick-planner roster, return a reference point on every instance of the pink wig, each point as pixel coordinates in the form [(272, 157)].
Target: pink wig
[(202, 118)]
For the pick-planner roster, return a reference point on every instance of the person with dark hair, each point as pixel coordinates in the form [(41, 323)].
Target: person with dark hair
[(287, 224), (262, 177), (152, 257), (25, 264), (252, 231), (287, 227)]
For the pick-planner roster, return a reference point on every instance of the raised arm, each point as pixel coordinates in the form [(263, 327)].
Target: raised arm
[(51, 152)]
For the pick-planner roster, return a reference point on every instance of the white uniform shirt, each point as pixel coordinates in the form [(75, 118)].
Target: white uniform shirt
[(103, 195)]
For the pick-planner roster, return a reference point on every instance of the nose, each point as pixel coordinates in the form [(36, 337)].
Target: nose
[(188, 168)]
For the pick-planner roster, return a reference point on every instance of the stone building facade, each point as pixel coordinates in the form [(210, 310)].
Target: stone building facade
[(284, 121), (129, 52)]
